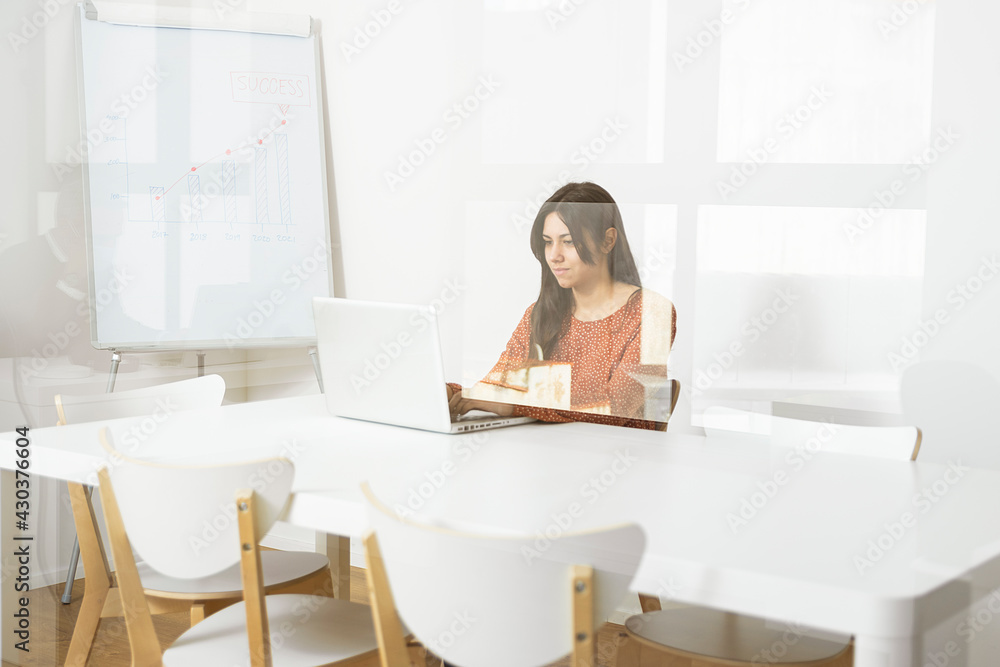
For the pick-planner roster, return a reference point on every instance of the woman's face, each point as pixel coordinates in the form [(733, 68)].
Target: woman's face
[(561, 256)]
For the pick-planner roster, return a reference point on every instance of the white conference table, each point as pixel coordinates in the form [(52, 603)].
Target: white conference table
[(806, 519)]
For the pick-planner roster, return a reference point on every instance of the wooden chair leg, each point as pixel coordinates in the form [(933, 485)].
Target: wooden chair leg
[(138, 622), (202, 610), (649, 603), (320, 583), (98, 581), (87, 622), (197, 613), (626, 652), (585, 642), (338, 549)]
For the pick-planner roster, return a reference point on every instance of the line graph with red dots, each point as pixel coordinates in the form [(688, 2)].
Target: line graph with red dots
[(228, 151), (192, 166), (208, 192)]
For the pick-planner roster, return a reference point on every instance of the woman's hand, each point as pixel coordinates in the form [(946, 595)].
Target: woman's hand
[(459, 405)]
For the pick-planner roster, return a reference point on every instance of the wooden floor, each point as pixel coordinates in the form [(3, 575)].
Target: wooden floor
[(52, 626)]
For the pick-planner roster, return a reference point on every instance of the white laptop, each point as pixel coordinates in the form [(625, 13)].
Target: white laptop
[(382, 362)]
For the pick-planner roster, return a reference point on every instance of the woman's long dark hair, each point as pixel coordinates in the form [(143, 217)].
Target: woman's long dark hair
[(588, 211)]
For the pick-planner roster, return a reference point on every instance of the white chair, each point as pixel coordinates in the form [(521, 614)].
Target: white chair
[(191, 394), (955, 404), (705, 637), (162, 510), (888, 442), (283, 571), (494, 601)]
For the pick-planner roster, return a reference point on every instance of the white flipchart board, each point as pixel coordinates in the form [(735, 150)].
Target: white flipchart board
[(205, 179)]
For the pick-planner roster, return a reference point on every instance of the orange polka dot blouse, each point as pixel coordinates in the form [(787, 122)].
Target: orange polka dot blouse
[(603, 354)]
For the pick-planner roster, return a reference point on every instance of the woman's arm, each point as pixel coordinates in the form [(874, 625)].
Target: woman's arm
[(459, 405), (515, 354), (642, 361)]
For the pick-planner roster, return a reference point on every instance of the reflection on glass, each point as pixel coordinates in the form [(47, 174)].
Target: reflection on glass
[(579, 83), (825, 82), (786, 300), (594, 341)]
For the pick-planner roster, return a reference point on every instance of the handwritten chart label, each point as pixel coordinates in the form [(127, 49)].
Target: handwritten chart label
[(270, 88)]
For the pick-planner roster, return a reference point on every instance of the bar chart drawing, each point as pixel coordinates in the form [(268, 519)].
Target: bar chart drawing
[(188, 183), (229, 190), (260, 183), (194, 192), (241, 185), (284, 200), (156, 202)]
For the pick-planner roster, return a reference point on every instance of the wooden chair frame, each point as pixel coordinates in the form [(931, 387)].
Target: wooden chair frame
[(144, 643), (102, 595), (138, 617)]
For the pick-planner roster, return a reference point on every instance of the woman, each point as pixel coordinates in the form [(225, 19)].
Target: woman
[(589, 314)]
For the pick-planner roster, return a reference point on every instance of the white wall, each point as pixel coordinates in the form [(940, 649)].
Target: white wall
[(876, 83), (607, 73)]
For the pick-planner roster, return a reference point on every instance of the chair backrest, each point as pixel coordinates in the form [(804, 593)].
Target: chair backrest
[(202, 392), (888, 442), (485, 601), (182, 520), (955, 405), (675, 393)]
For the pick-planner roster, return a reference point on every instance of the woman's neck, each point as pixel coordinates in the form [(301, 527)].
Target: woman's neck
[(596, 301)]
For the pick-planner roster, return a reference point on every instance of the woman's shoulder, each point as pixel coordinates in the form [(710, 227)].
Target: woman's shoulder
[(646, 301), (526, 318), (654, 301), (658, 321)]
